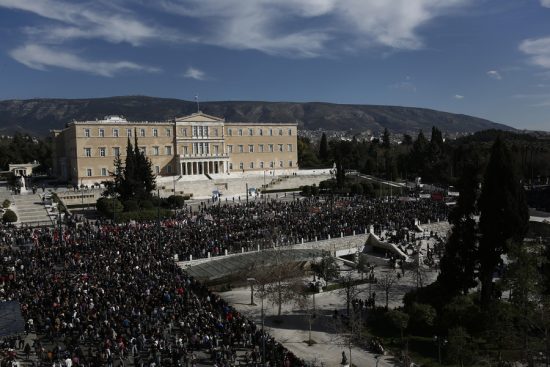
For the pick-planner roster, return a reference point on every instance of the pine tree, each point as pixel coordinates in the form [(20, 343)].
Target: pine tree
[(323, 149), (504, 215)]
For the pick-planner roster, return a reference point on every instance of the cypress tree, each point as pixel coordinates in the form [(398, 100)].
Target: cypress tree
[(323, 149), (126, 188), (504, 215), (459, 261), (437, 137), (386, 139)]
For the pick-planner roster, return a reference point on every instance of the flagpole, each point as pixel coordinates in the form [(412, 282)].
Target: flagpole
[(197, 100)]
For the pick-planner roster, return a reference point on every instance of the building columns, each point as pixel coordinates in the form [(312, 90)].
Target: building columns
[(203, 167)]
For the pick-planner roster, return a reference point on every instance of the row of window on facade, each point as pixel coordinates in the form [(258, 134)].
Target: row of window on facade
[(102, 151), (205, 131), (197, 131), (105, 172), (261, 148), (251, 165), (116, 132), (197, 148), (262, 165)]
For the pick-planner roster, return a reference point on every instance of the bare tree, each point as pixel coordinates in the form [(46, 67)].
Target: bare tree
[(387, 282), (304, 300), (349, 333), (419, 274), (279, 287), (350, 290)]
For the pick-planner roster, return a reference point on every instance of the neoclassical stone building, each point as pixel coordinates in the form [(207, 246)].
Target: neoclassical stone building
[(198, 144)]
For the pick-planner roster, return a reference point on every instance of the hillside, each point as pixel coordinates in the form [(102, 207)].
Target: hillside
[(38, 116)]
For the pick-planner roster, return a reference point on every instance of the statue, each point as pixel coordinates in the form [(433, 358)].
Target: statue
[(344, 359), (22, 182)]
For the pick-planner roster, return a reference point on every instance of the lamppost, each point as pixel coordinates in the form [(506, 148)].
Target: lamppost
[(251, 281), (440, 341), (158, 217)]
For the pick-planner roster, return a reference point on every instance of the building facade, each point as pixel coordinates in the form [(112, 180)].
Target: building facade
[(198, 144)]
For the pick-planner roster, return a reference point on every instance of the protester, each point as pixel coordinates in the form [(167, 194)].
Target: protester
[(104, 294)]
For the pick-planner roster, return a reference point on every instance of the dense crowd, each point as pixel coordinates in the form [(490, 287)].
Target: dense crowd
[(100, 294), (218, 228)]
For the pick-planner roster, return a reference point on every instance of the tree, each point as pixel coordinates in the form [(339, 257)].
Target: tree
[(386, 283), (419, 274), (459, 261), (418, 154), (504, 215), (144, 176), (437, 137), (399, 320), (407, 140), (460, 347), (326, 268), (422, 317), (386, 139), (307, 158), (363, 265), (9, 216), (135, 179), (304, 300), (350, 290), (323, 149), (127, 185), (280, 287), (348, 332)]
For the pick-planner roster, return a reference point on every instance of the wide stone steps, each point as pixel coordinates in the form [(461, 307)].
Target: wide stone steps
[(30, 209)]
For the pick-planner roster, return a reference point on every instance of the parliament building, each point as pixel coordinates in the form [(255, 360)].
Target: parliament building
[(198, 144)]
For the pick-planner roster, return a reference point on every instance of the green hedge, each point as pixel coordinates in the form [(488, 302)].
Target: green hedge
[(9, 216)]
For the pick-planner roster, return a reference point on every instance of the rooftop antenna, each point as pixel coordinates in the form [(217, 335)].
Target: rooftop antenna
[(197, 100)]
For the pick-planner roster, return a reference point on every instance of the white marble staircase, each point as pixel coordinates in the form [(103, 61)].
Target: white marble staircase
[(30, 209)]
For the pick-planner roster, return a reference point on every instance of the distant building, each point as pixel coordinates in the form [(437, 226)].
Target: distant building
[(84, 152), (22, 169)]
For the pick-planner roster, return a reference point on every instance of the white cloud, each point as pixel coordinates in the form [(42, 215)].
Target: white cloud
[(308, 28), (538, 49), (293, 28), (458, 96), (75, 20), (545, 3), (41, 58), (194, 73), (494, 74)]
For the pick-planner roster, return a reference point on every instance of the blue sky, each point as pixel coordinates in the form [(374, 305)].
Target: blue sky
[(487, 58)]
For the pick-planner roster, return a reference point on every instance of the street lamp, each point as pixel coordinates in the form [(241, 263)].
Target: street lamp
[(251, 281), (439, 342)]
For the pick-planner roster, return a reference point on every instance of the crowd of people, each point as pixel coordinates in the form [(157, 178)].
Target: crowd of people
[(104, 294), (218, 228)]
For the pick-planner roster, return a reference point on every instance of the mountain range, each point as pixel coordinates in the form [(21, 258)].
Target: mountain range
[(38, 116)]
